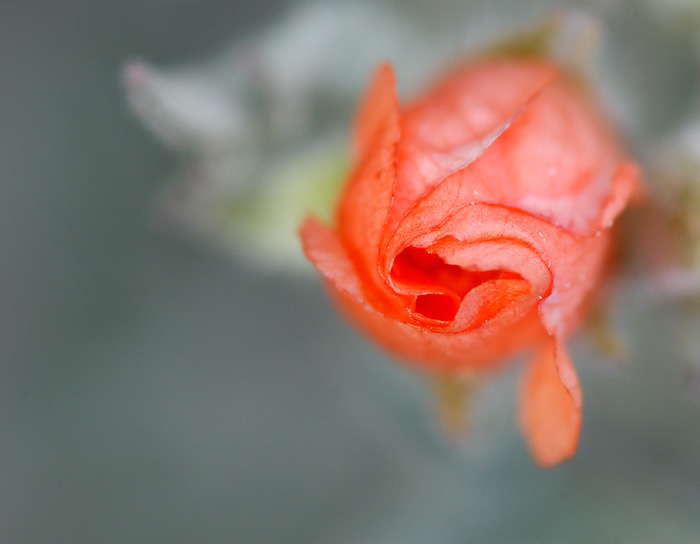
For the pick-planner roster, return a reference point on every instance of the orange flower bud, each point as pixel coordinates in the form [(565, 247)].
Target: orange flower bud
[(477, 222)]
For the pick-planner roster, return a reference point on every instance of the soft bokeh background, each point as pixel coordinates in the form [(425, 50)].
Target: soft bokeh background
[(153, 390)]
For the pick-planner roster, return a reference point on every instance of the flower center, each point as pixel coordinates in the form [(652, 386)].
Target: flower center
[(437, 307), (444, 285)]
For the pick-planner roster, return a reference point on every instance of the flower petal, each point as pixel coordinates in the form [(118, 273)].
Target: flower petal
[(430, 349), (557, 160), (482, 350), (490, 299), (433, 350), (459, 119), (544, 148), (551, 405), (538, 251), (324, 250), (368, 194), (378, 114), (364, 205)]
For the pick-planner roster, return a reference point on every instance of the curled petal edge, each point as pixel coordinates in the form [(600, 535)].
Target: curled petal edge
[(419, 346)]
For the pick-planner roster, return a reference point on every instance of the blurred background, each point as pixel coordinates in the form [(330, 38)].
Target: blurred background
[(155, 389)]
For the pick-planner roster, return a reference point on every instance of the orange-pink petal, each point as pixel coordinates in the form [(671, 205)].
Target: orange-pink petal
[(550, 411)]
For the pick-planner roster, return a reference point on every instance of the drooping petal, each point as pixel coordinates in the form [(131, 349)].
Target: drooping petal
[(551, 402)]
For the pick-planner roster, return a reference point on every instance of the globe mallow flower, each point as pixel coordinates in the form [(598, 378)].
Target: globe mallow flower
[(478, 222)]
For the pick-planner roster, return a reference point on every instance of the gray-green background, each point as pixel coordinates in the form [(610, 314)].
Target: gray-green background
[(152, 390)]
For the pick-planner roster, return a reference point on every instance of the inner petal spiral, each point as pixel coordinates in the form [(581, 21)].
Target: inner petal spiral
[(440, 288)]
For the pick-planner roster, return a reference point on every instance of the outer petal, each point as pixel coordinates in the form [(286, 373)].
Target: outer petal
[(533, 142), (365, 203), (557, 160), (459, 119), (378, 115), (323, 248), (550, 414), (483, 349)]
